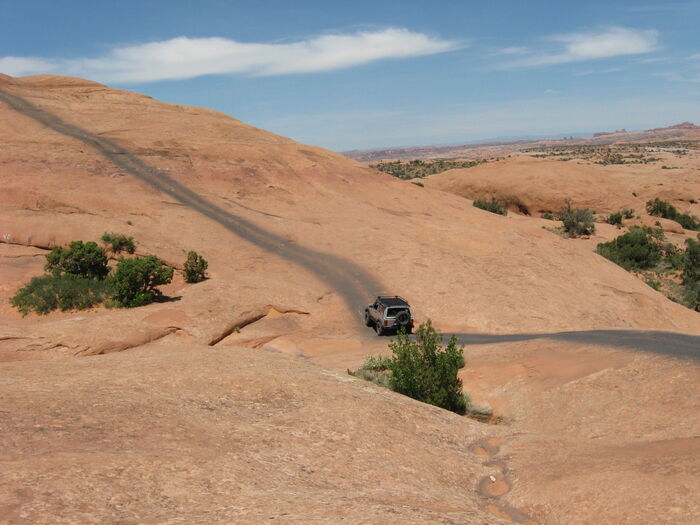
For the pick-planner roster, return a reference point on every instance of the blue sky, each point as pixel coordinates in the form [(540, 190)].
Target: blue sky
[(362, 75)]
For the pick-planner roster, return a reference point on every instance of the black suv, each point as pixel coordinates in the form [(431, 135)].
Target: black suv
[(389, 313)]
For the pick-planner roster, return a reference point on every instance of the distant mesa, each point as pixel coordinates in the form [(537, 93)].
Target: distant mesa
[(682, 131), (603, 133)]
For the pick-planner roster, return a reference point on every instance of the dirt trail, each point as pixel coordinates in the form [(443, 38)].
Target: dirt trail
[(351, 281)]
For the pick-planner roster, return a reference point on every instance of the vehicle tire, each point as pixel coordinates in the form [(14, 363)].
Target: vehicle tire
[(368, 319), (403, 320), (378, 328)]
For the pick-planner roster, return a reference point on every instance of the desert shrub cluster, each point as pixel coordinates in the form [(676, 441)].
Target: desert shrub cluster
[(135, 281), (663, 266), (421, 368), (79, 277), (195, 268), (665, 210), (86, 260), (47, 293), (118, 242), (493, 206), (691, 274), (635, 250), (577, 221), (616, 217)]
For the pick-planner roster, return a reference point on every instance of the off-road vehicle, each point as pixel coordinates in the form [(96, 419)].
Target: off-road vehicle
[(389, 313)]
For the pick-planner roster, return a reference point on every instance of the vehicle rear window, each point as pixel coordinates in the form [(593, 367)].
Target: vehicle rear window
[(393, 312)]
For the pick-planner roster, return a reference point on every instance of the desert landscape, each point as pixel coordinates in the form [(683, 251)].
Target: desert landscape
[(229, 400)]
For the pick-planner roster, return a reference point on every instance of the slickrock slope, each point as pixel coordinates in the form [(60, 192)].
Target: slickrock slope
[(204, 409), (541, 185), (207, 435), (282, 224)]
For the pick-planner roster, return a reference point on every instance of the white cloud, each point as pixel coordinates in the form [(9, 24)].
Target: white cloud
[(551, 91), (184, 57), (514, 50), (605, 43), (18, 66)]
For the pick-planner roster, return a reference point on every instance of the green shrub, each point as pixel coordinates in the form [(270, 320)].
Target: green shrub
[(118, 242), (691, 263), (426, 371), (692, 296), (80, 259), (691, 274), (374, 369), (60, 292), (577, 222), (136, 280), (195, 268), (688, 221), (548, 216), (661, 208), (615, 218), (493, 206), (628, 213), (635, 250)]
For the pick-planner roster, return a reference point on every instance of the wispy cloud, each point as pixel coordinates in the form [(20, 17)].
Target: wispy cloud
[(599, 71), (18, 66), (514, 50), (693, 77), (605, 43), (183, 57)]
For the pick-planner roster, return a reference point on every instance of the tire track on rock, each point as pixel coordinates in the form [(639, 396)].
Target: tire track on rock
[(350, 280)]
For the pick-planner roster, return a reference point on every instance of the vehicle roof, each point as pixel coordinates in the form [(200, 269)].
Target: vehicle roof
[(393, 300)]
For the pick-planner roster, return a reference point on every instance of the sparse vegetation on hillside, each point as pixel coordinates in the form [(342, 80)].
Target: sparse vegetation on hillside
[(118, 242), (422, 369), (77, 280), (413, 169), (616, 218), (631, 153), (136, 280), (195, 268), (577, 221), (79, 277), (493, 206), (665, 210), (374, 369), (644, 252)]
